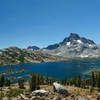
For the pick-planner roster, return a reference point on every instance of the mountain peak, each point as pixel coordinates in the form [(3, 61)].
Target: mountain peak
[(74, 36), (74, 46), (73, 39)]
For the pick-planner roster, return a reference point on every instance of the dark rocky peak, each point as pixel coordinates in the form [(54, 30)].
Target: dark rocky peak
[(74, 36), (33, 47), (84, 40), (54, 46), (71, 38), (76, 39)]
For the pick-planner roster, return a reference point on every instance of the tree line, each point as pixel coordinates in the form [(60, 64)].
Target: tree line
[(36, 80), (93, 82)]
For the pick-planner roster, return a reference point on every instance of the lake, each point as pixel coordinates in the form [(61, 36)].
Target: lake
[(58, 70)]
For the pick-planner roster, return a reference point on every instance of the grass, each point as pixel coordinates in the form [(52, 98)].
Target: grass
[(14, 92), (1, 95)]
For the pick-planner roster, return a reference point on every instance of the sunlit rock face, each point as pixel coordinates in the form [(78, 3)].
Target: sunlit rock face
[(60, 89), (74, 46), (15, 55)]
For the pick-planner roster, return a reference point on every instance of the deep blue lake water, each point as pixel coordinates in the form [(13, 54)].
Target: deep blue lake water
[(58, 70)]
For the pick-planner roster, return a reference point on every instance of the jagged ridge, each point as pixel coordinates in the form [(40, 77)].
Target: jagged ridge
[(74, 46)]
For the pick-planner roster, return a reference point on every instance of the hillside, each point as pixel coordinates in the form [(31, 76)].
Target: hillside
[(14, 55)]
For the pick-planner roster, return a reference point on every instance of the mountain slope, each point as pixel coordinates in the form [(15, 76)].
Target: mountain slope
[(14, 55), (74, 46)]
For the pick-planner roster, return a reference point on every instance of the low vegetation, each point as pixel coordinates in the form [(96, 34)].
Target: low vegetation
[(14, 92), (37, 80)]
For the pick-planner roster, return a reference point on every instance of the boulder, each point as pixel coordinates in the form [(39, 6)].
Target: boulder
[(60, 89), (39, 93), (27, 94), (98, 96), (23, 97), (81, 98)]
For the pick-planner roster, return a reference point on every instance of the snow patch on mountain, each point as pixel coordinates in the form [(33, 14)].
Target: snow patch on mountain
[(84, 56), (79, 41), (74, 46), (68, 43)]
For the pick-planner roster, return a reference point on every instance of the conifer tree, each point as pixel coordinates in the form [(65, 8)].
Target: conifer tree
[(93, 80), (83, 83), (41, 80), (98, 81), (37, 81), (63, 81), (7, 82), (2, 81), (21, 83), (32, 82), (47, 80), (52, 80), (78, 81)]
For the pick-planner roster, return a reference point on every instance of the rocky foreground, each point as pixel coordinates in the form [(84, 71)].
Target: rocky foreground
[(54, 92)]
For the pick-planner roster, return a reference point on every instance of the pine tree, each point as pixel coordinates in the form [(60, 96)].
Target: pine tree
[(52, 80), (37, 81), (2, 81), (7, 82), (93, 80), (63, 81), (72, 81), (83, 83), (32, 82), (41, 80), (98, 81), (21, 83), (79, 81), (47, 80)]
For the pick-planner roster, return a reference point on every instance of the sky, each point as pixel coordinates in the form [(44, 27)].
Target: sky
[(44, 22)]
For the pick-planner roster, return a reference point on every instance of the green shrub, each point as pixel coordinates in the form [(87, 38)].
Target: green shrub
[(14, 92), (1, 96)]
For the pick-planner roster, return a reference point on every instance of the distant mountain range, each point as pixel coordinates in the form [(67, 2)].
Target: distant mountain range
[(71, 47), (74, 46), (14, 55)]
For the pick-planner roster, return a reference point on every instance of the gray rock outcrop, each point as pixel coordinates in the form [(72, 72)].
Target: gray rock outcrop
[(40, 93), (60, 89)]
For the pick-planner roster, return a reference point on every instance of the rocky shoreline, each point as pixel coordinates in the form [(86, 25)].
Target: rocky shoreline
[(15, 56)]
